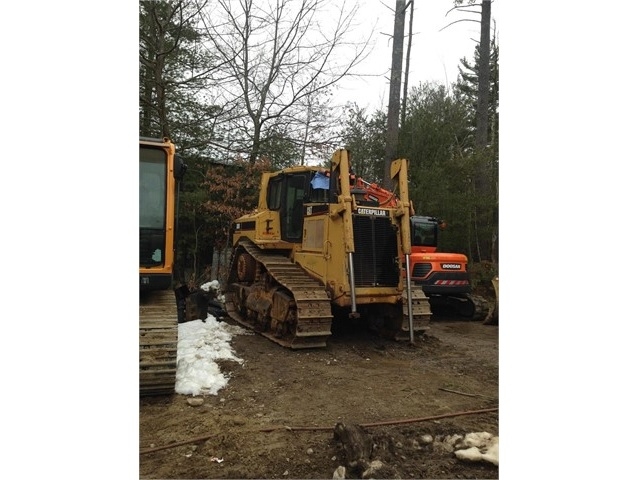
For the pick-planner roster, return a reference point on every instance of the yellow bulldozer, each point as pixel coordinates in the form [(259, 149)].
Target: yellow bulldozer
[(312, 254)]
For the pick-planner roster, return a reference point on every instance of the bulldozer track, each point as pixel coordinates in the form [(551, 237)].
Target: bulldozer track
[(158, 342), (307, 303), (398, 326), (299, 301), (421, 313)]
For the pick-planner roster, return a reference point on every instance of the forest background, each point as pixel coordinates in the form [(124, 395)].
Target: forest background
[(242, 87)]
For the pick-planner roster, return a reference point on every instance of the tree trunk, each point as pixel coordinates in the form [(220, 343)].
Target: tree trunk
[(410, 42), (255, 146), (481, 138), (392, 130), (483, 167), (494, 241), (160, 94)]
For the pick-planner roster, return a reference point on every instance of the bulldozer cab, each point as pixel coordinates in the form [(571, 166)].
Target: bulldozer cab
[(288, 192)]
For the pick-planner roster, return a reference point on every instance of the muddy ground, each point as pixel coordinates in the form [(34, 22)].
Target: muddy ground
[(276, 417)]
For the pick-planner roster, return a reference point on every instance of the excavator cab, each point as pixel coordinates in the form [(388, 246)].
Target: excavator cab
[(424, 232), (160, 169)]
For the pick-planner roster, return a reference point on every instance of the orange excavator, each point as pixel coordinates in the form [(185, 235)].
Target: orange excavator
[(444, 277)]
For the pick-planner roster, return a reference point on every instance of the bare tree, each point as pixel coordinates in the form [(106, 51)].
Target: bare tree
[(279, 56), (317, 119)]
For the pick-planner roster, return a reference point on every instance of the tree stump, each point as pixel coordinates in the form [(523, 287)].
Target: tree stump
[(357, 444)]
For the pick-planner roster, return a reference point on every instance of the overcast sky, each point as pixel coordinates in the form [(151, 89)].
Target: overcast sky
[(435, 53)]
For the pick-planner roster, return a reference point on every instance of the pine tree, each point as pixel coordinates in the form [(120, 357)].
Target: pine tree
[(486, 159)]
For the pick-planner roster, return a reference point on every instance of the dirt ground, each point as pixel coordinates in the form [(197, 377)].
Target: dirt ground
[(277, 415)]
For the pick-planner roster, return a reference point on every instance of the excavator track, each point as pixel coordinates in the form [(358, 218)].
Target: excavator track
[(158, 342), (279, 300)]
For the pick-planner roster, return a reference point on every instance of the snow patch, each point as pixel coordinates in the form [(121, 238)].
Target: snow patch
[(200, 345), (478, 446)]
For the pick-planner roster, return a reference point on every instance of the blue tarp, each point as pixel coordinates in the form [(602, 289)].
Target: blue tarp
[(320, 181)]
